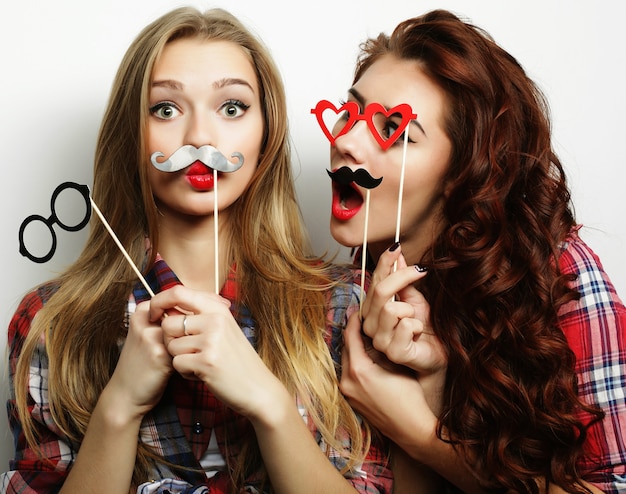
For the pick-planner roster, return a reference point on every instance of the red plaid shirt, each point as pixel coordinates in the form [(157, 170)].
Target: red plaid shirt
[(180, 426), (595, 328)]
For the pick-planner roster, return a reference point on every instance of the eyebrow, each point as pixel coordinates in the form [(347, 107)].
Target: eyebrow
[(170, 84), (232, 81), (359, 97), (226, 81)]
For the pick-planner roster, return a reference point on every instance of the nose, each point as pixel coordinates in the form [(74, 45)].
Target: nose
[(199, 130), (354, 144)]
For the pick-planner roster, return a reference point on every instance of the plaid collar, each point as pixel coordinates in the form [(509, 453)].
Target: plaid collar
[(161, 277)]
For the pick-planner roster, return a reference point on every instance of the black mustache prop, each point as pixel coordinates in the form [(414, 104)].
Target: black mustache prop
[(346, 175), (188, 154)]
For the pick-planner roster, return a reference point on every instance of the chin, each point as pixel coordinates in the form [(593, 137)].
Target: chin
[(346, 236)]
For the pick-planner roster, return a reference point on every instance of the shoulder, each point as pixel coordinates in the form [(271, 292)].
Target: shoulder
[(591, 280), (348, 283), (28, 308), (22, 319), (594, 320), (576, 255), (343, 300)]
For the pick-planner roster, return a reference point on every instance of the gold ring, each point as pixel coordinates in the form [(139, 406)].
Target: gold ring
[(185, 325)]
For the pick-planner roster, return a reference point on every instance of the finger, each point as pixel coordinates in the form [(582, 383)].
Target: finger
[(176, 326), (139, 319), (385, 263), (401, 283), (413, 296), (185, 300), (354, 357), (402, 346), (352, 340), (384, 267), (185, 365), (381, 329), (401, 263), (403, 278), (143, 306)]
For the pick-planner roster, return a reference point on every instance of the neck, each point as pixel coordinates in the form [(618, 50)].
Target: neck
[(188, 246), (413, 247)]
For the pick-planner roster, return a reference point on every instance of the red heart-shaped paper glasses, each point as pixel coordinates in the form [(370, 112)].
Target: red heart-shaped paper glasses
[(353, 114)]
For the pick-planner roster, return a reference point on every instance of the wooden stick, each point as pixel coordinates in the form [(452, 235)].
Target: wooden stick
[(216, 230), (364, 251), (121, 247), (401, 191)]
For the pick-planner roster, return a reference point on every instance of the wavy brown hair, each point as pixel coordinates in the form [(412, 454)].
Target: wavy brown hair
[(510, 404), (279, 280)]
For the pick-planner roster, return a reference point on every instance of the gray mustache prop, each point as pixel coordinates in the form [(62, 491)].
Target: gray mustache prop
[(188, 154)]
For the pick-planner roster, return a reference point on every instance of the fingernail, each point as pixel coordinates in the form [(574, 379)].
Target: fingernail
[(420, 269), (394, 246)]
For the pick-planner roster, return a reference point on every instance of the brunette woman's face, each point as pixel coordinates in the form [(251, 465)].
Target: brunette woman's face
[(203, 93), (390, 82)]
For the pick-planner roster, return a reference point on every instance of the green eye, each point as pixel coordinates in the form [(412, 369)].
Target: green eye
[(231, 110), (234, 108), (164, 111)]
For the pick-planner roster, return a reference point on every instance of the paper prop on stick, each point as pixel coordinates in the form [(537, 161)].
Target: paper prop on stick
[(370, 114), (379, 120), (54, 219), (186, 156), (347, 176), (49, 222)]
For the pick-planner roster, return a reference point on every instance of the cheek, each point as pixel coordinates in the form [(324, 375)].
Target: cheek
[(161, 140), (241, 179), (423, 200), (155, 179), (250, 163), (247, 171), (385, 195), (152, 140), (247, 142), (336, 124)]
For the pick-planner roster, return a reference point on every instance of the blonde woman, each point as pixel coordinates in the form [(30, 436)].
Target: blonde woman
[(117, 391)]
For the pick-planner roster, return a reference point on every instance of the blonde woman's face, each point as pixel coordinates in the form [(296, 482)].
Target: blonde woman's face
[(392, 82), (203, 93)]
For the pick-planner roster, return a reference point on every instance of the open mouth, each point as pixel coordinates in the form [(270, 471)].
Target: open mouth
[(347, 201)]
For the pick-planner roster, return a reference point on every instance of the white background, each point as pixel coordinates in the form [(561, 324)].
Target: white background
[(57, 61)]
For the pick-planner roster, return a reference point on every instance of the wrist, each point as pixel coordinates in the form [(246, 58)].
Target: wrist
[(433, 386), (116, 412), (423, 439), (271, 405)]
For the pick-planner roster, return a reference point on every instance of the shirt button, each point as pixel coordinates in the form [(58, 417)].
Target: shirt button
[(198, 428)]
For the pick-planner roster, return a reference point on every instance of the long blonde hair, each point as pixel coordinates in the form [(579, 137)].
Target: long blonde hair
[(279, 280)]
